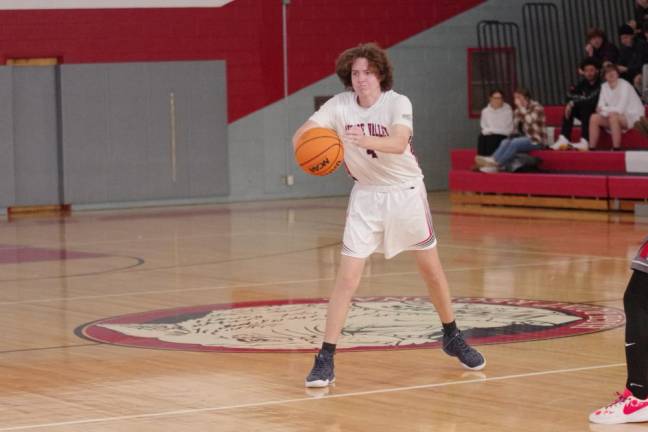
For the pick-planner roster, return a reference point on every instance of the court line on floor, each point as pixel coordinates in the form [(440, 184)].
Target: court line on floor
[(289, 282), (175, 267), (49, 348), (307, 399), (529, 252), (138, 262)]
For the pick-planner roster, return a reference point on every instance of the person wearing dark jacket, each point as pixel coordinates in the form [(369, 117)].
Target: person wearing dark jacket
[(600, 48), (632, 55), (581, 104), (641, 13)]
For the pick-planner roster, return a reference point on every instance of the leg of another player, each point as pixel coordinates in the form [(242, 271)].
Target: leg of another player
[(635, 304), (346, 283), (454, 344), (632, 405)]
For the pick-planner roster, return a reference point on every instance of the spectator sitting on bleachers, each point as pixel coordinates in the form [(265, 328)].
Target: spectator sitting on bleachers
[(619, 108), (582, 99), (600, 48), (530, 126), (632, 55), (641, 13), (641, 32), (496, 123)]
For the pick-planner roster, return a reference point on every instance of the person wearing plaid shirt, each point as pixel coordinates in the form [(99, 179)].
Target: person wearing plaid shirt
[(529, 133)]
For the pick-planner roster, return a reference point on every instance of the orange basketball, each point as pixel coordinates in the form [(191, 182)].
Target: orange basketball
[(319, 151)]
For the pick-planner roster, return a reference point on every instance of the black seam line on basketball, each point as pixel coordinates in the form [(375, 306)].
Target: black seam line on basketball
[(139, 262), (93, 343), (332, 167), (335, 137), (319, 154)]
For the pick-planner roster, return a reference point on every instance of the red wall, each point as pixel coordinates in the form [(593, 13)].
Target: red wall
[(245, 33)]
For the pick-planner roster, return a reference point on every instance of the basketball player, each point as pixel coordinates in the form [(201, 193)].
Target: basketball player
[(632, 405), (388, 210)]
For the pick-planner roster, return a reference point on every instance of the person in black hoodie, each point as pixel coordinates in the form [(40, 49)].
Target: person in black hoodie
[(582, 99), (632, 55), (600, 48)]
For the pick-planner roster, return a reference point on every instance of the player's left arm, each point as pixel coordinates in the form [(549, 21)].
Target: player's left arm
[(395, 143)]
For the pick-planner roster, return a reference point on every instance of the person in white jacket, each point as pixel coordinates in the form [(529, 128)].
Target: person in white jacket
[(619, 108), (496, 124)]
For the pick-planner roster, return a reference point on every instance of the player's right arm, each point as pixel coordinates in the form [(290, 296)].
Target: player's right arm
[(310, 124), (323, 117)]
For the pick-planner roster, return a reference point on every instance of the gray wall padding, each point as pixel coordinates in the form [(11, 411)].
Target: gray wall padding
[(117, 131), (35, 136), (7, 173)]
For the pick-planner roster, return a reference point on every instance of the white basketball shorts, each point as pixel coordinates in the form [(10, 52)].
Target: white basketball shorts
[(388, 219)]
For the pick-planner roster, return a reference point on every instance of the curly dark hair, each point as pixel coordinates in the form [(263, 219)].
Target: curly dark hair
[(378, 62)]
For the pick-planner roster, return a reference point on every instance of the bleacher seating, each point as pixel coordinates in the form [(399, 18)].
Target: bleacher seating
[(569, 179), (631, 140)]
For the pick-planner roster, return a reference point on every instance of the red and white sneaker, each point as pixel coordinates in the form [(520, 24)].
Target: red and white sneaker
[(626, 409)]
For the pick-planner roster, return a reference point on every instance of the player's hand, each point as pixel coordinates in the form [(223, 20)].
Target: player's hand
[(354, 136), (589, 49)]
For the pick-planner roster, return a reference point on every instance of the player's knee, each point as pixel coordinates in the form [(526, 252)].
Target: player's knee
[(431, 273), (348, 283)]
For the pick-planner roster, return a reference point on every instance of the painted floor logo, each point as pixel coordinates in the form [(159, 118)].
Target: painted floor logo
[(374, 323)]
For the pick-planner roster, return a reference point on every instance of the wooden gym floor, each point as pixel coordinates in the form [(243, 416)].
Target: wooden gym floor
[(58, 274)]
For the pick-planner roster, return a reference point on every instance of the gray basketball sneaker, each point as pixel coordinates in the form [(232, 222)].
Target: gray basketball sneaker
[(456, 346), (322, 373)]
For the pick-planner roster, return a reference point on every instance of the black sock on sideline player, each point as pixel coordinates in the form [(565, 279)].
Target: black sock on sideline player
[(635, 303)]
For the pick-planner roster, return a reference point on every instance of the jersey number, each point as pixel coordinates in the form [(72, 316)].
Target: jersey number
[(372, 154)]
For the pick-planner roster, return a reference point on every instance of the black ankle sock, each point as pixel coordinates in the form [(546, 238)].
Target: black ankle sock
[(328, 347), (449, 328)]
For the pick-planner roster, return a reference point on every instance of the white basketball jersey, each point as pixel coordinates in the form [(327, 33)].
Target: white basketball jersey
[(368, 166)]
